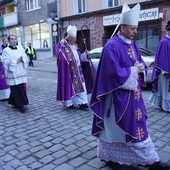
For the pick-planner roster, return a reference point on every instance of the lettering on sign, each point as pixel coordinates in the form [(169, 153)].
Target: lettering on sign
[(144, 15)]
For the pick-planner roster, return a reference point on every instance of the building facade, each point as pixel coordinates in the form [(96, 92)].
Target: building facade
[(8, 17), (43, 22), (101, 17), (28, 20)]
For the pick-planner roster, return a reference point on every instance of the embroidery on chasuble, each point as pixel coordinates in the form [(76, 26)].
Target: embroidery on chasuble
[(131, 53), (140, 132), (74, 72)]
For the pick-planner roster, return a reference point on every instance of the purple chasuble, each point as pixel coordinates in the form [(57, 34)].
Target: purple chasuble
[(113, 70), (3, 84), (162, 61), (69, 74)]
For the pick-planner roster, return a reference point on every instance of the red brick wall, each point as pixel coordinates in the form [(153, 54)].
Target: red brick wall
[(95, 24)]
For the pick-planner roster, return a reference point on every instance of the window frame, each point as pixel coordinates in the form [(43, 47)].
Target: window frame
[(37, 42), (79, 6), (31, 5), (145, 29), (114, 3)]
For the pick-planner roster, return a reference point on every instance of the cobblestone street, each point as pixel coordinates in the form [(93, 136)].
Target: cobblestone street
[(49, 137)]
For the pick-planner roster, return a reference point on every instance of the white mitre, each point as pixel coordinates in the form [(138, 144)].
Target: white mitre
[(71, 31), (130, 16)]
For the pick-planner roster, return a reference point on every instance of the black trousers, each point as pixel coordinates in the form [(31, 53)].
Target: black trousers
[(31, 60), (18, 97)]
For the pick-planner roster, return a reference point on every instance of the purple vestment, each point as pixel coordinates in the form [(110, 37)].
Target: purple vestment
[(162, 61), (70, 75), (3, 84), (113, 70)]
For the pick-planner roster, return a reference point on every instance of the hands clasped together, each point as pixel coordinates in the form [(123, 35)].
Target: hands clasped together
[(140, 67), (20, 59)]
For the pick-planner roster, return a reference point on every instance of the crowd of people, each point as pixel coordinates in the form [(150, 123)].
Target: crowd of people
[(120, 115)]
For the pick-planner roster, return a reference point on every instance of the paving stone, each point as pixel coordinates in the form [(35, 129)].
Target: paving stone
[(56, 147), (29, 160), (60, 160), (96, 163), (7, 167), (90, 154), (59, 153), (47, 159), (15, 163), (71, 148), (23, 154), (64, 167), (165, 157), (36, 165), (48, 167), (77, 161), (86, 167), (37, 148), (42, 153), (7, 158)]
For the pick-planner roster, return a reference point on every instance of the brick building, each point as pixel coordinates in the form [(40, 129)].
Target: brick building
[(31, 21), (100, 23)]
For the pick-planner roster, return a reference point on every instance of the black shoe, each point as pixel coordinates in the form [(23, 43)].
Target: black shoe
[(159, 166), (83, 107), (72, 107), (22, 110)]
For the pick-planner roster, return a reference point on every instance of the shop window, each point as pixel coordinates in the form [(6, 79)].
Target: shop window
[(15, 31), (32, 4), (148, 38), (38, 35)]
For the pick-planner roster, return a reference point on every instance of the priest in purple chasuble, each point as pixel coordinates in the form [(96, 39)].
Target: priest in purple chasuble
[(120, 115), (4, 88), (71, 87), (161, 74)]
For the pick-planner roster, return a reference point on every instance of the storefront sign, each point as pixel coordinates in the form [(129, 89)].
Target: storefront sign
[(145, 15), (149, 14)]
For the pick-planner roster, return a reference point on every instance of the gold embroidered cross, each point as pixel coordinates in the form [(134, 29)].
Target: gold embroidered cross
[(140, 133), (131, 53), (137, 95), (138, 114)]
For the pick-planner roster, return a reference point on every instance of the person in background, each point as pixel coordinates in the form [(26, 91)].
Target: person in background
[(120, 115), (71, 87), (4, 42), (4, 88), (161, 74), (15, 62), (30, 51)]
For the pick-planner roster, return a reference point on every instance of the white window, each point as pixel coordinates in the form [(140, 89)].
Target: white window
[(79, 6), (32, 4), (110, 3)]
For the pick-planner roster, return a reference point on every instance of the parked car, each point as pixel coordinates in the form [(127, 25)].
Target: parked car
[(148, 57)]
